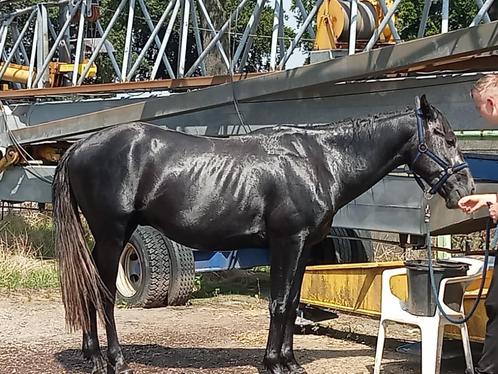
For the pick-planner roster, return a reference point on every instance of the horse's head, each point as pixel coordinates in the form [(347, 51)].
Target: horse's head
[(437, 158)]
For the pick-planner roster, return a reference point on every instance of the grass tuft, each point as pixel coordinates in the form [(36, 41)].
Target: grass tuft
[(26, 252), (18, 272)]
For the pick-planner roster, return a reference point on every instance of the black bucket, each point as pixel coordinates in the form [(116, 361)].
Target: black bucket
[(420, 296)]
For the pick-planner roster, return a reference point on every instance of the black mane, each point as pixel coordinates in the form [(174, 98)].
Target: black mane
[(351, 121)]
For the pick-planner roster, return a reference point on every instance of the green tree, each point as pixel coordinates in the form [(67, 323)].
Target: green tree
[(306, 41), (219, 11), (141, 33), (260, 50), (410, 12)]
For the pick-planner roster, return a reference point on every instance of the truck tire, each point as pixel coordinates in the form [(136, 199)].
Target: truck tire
[(362, 250), (342, 247), (333, 250), (154, 271), (144, 270), (182, 273)]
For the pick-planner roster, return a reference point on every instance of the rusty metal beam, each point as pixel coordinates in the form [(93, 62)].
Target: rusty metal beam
[(106, 88), (465, 64)]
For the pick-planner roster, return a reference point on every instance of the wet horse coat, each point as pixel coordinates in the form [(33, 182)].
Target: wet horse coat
[(276, 188)]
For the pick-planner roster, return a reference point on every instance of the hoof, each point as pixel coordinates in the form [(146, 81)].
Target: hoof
[(290, 362), (119, 369), (99, 371), (99, 366), (276, 369), (295, 368)]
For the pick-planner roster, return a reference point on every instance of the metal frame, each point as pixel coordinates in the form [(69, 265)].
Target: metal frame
[(188, 11), (48, 42), (416, 54)]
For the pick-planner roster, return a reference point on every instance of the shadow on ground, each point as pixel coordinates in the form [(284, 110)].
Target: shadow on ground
[(158, 356)]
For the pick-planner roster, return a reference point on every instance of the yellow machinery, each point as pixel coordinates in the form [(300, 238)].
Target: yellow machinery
[(333, 23), (357, 288), (20, 73), (16, 73)]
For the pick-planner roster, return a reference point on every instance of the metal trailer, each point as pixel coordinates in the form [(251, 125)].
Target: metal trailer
[(382, 79)]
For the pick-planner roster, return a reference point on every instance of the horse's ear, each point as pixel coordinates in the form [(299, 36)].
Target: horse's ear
[(426, 108)]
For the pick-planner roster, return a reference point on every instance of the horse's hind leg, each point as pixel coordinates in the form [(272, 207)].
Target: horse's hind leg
[(109, 248), (91, 347), (287, 256)]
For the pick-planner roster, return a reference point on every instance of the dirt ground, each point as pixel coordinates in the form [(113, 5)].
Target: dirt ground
[(224, 334)]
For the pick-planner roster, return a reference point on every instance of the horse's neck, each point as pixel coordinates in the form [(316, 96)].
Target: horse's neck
[(361, 154)]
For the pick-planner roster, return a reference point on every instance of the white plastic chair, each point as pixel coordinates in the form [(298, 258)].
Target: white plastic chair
[(431, 328)]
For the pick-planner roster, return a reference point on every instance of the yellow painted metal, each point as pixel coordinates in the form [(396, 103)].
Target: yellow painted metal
[(386, 35), (329, 25), (16, 73), (477, 324), (357, 288), (350, 287), (62, 68), (20, 73)]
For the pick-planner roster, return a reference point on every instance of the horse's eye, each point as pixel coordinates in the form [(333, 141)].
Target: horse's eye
[(451, 141), (448, 137)]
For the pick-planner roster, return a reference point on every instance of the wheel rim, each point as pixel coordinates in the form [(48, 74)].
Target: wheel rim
[(129, 278)]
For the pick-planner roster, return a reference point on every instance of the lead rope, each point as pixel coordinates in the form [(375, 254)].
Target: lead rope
[(433, 282)]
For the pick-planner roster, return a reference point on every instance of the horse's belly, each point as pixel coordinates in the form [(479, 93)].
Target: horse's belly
[(203, 241), (214, 228)]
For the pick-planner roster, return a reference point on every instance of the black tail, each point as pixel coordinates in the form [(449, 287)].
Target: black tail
[(82, 287)]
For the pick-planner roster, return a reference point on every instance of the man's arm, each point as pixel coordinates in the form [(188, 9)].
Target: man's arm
[(471, 203)]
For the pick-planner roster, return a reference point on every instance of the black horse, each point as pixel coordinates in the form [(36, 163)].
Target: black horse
[(276, 188)]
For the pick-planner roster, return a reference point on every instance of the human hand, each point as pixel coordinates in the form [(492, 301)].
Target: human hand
[(471, 203), (493, 211)]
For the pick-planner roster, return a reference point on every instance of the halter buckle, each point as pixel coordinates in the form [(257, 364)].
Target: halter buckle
[(422, 148), (428, 195)]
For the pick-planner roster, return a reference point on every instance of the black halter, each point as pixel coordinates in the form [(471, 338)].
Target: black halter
[(423, 149)]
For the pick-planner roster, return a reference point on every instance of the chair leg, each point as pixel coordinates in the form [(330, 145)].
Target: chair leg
[(432, 343), (380, 346), (466, 348)]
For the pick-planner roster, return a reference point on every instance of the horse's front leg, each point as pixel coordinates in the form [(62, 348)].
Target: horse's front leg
[(287, 352), (286, 255)]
